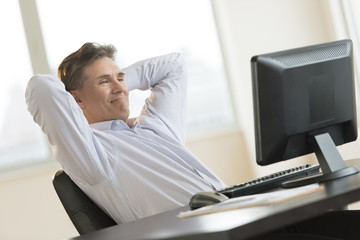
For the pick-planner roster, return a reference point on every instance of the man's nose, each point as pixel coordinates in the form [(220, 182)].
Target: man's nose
[(118, 86)]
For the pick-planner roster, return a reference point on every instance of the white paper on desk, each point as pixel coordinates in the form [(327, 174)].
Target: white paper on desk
[(253, 200)]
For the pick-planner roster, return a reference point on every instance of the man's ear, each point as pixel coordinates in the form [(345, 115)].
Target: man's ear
[(77, 97)]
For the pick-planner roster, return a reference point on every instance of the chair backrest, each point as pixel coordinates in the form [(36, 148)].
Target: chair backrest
[(83, 212)]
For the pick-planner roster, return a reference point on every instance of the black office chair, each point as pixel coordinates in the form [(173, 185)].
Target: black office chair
[(83, 212)]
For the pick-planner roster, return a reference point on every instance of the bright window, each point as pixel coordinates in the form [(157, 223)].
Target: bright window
[(350, 9), (21, 140), (141, 29)]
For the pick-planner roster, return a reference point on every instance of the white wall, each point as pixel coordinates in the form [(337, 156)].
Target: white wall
[(29, 207), (252, 27)]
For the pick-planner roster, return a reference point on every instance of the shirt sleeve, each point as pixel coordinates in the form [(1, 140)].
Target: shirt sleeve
[(62, 120), (165, 109)]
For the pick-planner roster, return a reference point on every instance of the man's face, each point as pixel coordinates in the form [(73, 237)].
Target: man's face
[(104, 95)]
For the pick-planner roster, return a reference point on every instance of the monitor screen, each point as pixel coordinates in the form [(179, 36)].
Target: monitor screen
[(304, 102)]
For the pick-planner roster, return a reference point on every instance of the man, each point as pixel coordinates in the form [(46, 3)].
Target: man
[(132, 168)]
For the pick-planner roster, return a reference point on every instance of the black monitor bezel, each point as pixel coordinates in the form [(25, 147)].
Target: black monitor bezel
[(271, 137)]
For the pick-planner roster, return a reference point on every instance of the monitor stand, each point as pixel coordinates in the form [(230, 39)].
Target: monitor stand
[(331, 163)]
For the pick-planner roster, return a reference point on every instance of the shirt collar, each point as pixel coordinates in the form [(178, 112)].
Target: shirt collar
[(113, 125), (101, 125)]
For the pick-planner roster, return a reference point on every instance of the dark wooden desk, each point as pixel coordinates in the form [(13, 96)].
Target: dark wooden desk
[(237, 224)]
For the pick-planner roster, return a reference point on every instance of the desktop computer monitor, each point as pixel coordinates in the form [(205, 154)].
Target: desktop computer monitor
[(304, 102)]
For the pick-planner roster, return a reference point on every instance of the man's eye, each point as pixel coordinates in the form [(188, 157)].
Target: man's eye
[(104, 81), (121, 77)]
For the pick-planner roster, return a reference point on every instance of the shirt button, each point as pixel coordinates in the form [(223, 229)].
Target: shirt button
[(118, 122)]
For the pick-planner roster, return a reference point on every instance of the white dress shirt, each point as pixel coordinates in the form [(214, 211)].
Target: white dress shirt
[(130, 170)]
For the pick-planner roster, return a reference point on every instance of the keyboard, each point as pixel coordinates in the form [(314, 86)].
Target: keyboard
[(269, 182)]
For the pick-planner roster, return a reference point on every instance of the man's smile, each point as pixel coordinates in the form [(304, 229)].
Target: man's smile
[(116, 99)]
